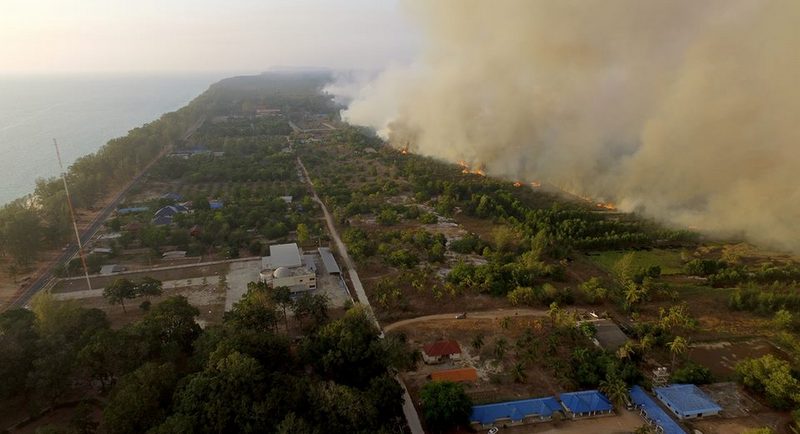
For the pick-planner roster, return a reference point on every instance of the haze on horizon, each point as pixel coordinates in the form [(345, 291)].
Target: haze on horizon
[(53, 36)]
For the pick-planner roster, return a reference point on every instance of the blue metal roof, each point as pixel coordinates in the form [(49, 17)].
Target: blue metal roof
[(514, 410), (586, 401), (642, 400), (686, 399)]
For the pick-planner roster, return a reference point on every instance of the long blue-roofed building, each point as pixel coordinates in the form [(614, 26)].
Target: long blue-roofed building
[(687, 401), (586, 403), (514, 412), (653, 413)]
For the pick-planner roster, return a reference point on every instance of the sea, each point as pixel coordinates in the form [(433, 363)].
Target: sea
[(82, 112)]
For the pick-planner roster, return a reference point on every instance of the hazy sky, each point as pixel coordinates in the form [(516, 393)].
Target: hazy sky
[(201, 35)]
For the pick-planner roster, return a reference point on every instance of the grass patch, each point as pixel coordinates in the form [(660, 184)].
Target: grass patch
[(669, 260)]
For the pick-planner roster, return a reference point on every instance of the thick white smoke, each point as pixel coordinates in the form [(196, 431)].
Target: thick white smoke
[(684, 110)]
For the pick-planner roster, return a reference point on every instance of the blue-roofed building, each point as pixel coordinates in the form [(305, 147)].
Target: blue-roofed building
[(687, 401), (164, 215), (514, 412), (172, 196), (653, 413), (215, 204), (586, 403)]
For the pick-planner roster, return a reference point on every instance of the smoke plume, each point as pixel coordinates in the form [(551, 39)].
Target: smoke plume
[(683, 110)]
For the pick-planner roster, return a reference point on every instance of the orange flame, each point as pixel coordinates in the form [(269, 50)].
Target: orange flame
[(517, 184), (608, 206)]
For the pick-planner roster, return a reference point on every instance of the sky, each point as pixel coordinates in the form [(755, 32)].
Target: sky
[(74, 36)]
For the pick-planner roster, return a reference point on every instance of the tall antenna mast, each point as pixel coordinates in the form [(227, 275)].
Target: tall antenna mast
[(72, 214)]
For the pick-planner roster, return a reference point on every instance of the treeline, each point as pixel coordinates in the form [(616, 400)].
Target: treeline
[(164, 374), (721, 273)]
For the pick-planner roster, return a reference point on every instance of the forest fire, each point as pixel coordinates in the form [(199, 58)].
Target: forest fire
[(536, 184), (608, 206), (466, 170), (517, 184)]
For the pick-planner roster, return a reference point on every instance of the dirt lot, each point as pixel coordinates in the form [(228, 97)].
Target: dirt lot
[(721, 357), (208, 299), (188, 272), (622, 422)]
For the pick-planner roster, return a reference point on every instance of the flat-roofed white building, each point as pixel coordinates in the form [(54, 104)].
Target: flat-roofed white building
[(286, 267)]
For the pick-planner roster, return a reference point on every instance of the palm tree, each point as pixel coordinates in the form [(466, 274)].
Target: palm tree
[(677, 347), (518, 372), (615, 389), (477, 342), (554, 312), (626, 350), (646, 343), (500, 347), (580, 354)]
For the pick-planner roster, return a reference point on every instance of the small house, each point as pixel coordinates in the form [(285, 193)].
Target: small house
[(112, 269), (586, 403), (436, 352), (514, 412), (687, 401)]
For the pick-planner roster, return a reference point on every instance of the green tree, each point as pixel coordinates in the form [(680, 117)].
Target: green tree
[(303, 236), (500, 347), (445, 405), (477, 342), (223, 397), (615, 389), (771, 377), (282, 296), (148, 287), (678, 347), (18, 348), (140, 400), (119, 291), (168, 330)]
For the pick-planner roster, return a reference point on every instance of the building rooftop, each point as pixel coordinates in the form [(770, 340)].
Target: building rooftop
[(329, 261), (282, 255), (585, 401), (686, 399), (442, 348), (653, 412), (456, 375), (514, 410), (609, 335)]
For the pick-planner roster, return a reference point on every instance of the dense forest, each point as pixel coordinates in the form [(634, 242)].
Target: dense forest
[(164, 374)]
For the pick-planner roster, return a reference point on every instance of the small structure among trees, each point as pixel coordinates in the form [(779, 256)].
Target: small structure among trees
[(433, 353), (586, 403)]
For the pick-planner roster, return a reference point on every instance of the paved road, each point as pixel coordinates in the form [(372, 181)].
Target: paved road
[(89, 232), (490, 314), (408, 406)]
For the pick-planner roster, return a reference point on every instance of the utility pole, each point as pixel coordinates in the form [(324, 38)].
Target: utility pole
[(72, 214)]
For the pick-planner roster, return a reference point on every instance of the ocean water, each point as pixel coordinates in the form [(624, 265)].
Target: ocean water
[(82, 112)]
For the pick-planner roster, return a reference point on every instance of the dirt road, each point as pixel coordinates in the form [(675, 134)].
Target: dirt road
[(491, 314), (412, 417)]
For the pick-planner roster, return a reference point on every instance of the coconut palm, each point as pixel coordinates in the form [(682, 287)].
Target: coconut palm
[(500, 347), (518, 372), (677, 347), (626, 350), (477, 342), (615, 389)]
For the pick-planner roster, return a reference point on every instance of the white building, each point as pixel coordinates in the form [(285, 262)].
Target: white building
[(286, 267)]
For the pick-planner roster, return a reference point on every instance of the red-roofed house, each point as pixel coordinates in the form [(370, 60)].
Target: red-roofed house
[(433, 353)]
